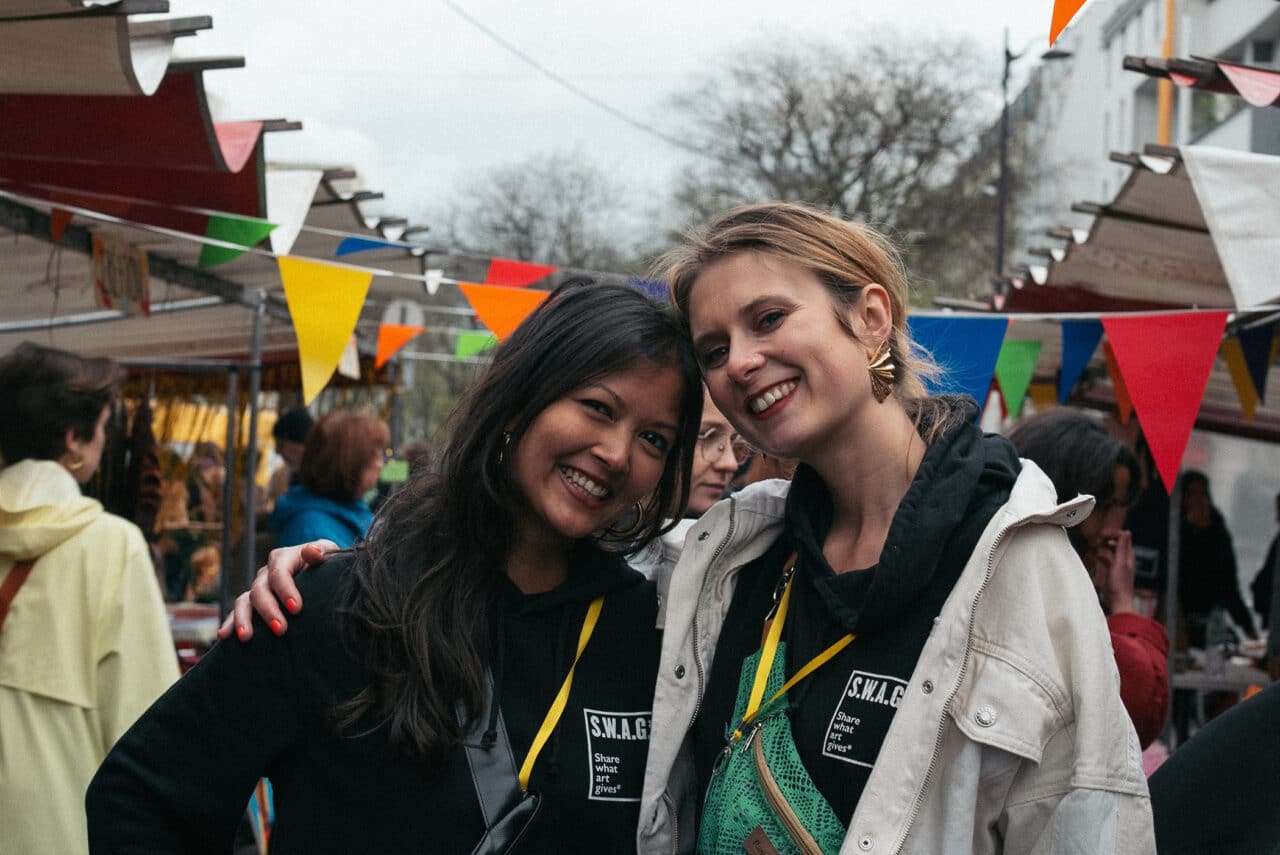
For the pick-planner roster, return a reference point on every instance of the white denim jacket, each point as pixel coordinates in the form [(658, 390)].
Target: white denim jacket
[(1011, 738)]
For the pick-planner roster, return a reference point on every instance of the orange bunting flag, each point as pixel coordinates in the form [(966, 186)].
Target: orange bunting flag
[(324, 302), (1124, 404), (1063, 12), (501, 309), (392, 337), (516, 274), (59, 218), (1166, 360)]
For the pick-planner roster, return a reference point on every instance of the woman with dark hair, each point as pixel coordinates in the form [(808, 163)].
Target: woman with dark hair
[(341, 459), (1080, 457), (85, 645), (489, 619), (1207, 574)]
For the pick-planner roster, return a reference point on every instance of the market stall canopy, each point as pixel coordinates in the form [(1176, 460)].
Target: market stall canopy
[(60, 47), (1190, 227), (1259, 86)]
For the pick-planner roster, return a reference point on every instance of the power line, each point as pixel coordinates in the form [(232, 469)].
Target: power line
[(572, 87)]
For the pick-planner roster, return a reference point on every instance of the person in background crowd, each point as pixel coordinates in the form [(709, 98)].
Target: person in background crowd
[(290, 434), (1264, 579), (85, 645), (1080, 457), (341, 460), (417, 453), (490, 605), (1207, 575), (721, 452), (205, 483)]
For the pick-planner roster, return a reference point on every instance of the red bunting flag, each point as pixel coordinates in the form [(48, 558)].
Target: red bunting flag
[(1166, 360), (1124, 404), (516, 274), (501, 309), (392, 337), (59, 218)]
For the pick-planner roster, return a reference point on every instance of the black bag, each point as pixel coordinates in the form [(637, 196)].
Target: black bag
[(508, 812)]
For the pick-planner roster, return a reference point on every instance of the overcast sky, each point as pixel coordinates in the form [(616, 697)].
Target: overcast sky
[(419, 99)]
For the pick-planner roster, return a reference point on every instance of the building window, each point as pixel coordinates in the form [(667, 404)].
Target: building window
[(1264, 52)]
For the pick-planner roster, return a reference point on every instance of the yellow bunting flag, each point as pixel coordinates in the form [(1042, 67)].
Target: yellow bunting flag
[(1043, 395), (324, 302), (499, 308), (392, 337), (1233, 353)]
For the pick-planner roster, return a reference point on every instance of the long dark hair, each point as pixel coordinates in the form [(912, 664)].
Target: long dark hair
[(416, 611)]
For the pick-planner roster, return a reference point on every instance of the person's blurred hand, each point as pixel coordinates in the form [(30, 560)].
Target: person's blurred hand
[(1113, 571), (272, 586)]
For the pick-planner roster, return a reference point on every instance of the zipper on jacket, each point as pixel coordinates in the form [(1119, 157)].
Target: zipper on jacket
[(697, 664), (781, 807), (946, 707)]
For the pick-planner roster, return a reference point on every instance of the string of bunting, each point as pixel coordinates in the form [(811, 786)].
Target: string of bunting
[(1142, 349)]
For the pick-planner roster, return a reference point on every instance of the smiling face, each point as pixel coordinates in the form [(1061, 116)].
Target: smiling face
[(777, 361), (591, 455)]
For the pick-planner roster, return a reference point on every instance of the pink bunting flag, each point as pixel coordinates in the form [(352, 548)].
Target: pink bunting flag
[(516, 274), (1165, 361)]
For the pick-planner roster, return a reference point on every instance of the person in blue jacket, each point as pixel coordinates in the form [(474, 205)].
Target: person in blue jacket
[(341, 460)]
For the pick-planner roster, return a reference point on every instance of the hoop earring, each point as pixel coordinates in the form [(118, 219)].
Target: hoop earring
[(73, 467), (622, 534), (506, 443), (882, 371)]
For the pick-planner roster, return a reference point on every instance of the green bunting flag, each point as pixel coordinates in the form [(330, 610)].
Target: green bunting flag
[(242, 231), (1014, 367), (471, 343)]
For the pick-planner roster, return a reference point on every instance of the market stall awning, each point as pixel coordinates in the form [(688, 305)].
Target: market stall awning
[(1259, 86)]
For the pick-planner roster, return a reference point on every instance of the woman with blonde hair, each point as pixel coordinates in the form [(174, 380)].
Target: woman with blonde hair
[(899, 651), (85, 645)]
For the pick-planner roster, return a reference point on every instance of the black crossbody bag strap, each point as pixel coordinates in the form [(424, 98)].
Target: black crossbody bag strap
[(507, 811)]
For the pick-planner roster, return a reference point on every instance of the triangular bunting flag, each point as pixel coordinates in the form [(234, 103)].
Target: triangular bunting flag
[(355, 244), (324, 302), (59, 218), (501, 309), (1233, 354), (964, 348), (1043, 395), (1079, 341), (650, 288), (516, 274), (1063, 12), (349, 363), (1257, 345), (289, 196), (392, 337), (470, 343), (243, 231), (1166, 360), (1014, 367), (1124, 404)]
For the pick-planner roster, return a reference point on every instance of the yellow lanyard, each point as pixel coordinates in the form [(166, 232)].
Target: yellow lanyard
[(770, 651), (562, 697)]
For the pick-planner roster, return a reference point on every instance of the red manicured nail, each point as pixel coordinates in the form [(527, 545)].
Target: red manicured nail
[(276, 626), (292, 605), (242, 632)]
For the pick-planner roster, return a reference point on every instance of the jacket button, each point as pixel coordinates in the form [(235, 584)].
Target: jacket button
[(679, 672), (704, 535), (985, 716), (927, 687), (865, 843)]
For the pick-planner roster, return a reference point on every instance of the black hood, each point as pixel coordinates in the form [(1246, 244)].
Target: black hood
[(964, 478)]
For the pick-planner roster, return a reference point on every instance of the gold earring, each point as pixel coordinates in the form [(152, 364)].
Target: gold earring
[(72, 467), (881, 369)]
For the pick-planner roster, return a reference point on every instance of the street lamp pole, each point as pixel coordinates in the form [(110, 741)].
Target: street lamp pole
[(1002, 181)]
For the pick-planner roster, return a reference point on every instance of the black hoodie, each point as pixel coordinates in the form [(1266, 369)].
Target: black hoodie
[(841, 714), (179, 779)]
